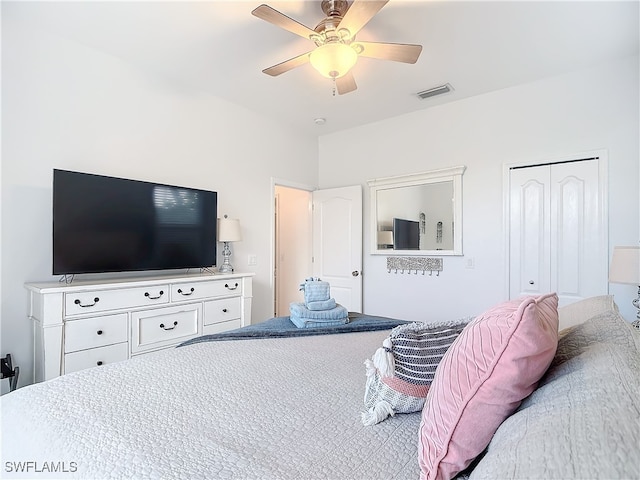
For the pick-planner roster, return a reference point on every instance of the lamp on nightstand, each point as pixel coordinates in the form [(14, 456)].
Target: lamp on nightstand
[(625, 268), (228, 231)]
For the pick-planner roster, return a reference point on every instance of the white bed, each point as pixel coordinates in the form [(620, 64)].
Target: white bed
[(284, 408), (289, 408)]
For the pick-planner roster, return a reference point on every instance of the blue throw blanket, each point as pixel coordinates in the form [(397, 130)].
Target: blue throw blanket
[(280, 327)]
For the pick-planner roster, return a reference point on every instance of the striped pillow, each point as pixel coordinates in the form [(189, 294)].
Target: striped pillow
[(400, 373), (418, 348)]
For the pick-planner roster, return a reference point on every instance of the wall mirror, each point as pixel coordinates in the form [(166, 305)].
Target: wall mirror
[(418, 214)]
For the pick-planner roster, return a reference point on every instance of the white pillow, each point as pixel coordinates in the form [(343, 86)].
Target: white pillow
[(582, 310)]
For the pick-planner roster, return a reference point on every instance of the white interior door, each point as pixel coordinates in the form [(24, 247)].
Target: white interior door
[(337, 243), (557, 231)]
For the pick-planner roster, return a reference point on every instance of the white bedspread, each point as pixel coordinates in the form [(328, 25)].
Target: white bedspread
[(285, 408)]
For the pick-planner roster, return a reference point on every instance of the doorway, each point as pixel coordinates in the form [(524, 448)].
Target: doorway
[(316, 233), (292, 244)]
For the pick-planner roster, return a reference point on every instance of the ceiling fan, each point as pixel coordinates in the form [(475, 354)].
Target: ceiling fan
[(337, 50)]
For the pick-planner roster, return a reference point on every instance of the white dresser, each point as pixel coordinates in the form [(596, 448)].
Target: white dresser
[(91, 323)]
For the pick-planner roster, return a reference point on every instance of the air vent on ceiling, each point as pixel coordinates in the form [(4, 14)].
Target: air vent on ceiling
[(432, 92)]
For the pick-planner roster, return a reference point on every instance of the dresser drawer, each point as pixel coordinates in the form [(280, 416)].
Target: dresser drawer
[(200, 290), (95, 332), (223, 310), (157, 328), (221, 326), (95, 357), (78, 303)]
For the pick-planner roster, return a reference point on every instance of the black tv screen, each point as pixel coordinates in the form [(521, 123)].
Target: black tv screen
[(406, 234), (107, 224)]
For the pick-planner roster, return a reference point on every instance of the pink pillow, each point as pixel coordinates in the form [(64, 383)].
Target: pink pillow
[(495, 363)]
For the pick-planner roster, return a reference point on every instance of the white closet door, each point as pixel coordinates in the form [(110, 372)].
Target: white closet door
[(557, 231), (530, 232), (578, 253)]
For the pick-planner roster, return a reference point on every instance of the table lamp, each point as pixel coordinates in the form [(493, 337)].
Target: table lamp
[(385, 239), (228, 231), (625, 268)]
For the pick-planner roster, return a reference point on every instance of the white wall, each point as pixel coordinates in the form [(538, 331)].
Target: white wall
[(582, 111), (66, 106)]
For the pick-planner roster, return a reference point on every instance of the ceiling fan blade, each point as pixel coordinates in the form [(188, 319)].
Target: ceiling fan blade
[(398, 52), (287, 65), (346, 83), (359, 14), (265, 12)]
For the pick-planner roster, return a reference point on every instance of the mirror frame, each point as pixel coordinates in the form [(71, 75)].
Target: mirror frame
[(453, 174)]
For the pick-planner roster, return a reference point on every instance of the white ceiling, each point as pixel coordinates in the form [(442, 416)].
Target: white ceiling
[(220, 48)]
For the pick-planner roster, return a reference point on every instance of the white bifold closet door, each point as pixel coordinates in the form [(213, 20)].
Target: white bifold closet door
[(557, 231)]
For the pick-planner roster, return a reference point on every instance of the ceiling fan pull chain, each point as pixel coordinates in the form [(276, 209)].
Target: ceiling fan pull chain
[(334, 86)]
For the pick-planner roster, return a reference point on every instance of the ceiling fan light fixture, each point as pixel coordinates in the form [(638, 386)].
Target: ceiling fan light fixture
[(336, 50), (333, 60)]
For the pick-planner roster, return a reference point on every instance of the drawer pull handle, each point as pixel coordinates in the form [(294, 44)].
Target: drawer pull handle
[(224, 310), (78, 302), (160, 293), (175, 324), (185, 294), (99, 332), (99, 362), (231, 288)]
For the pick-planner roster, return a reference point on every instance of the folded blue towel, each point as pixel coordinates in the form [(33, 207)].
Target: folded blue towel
[(315, 290), (323, 305), (299, 310), (302, 322)]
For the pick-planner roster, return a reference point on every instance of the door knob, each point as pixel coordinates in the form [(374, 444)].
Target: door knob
[(355, 273), (531, 282)]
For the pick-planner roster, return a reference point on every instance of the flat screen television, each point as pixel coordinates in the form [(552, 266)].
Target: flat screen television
[(406, 234), (106, 224)]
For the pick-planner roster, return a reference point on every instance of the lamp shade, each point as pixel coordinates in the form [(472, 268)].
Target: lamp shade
[(385, 237), (229, 230), (625, 265), (333, 60)]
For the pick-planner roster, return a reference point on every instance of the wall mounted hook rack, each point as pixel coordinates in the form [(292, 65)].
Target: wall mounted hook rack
[(415, 264)]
